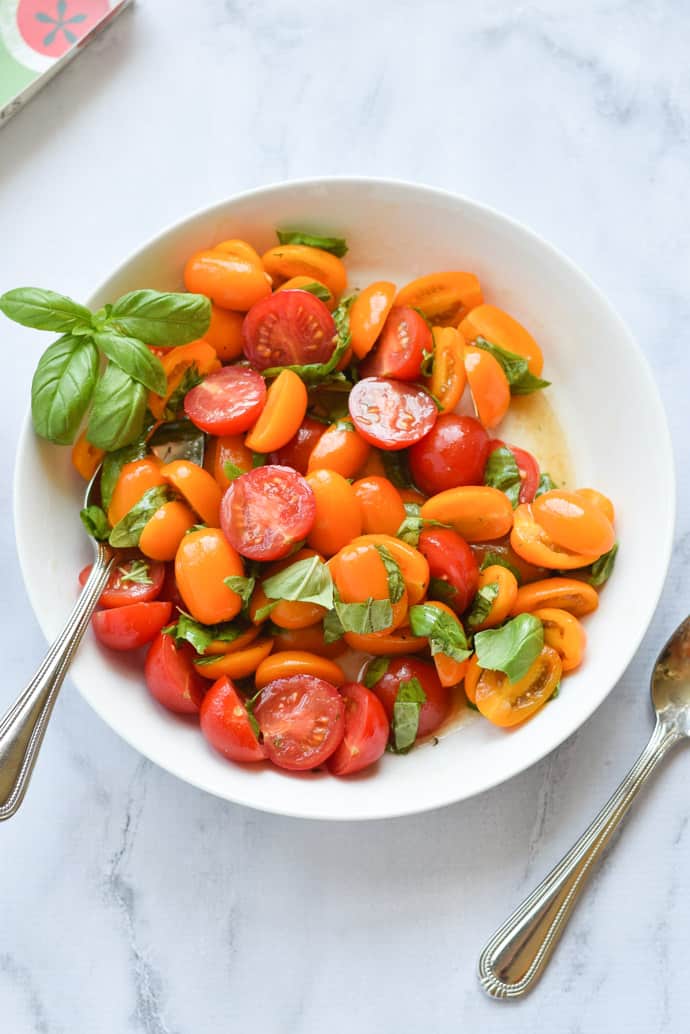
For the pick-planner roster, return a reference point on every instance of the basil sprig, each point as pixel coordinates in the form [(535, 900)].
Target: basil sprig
[(513, 648), (515, 367), (336, 245)]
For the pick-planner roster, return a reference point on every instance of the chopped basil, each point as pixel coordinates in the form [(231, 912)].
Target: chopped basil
[(127, 531), (178, 440), (515, 367), (513, 648), (396, 585), (376, 669), (445, 633), (258, 460), (96, 522), (190, 379), (503, 473), (244, 587), (332, 627), (405, 724), (414, 524), (187, 629), (232, 471), (336, 245), (362, 618), (440, 589), (397, 467), (136, 572), (498, 560), (306, 581), (482, 603), (601, 569), (546, 484), (319, 291)]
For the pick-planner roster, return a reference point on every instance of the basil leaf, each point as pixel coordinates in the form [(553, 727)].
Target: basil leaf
[(482, 603), (161, 318), (362, 618), (136, 572), (513, 648), (62, 387), (113, 462), (178, 440), (306, 581), (602, 569), (132, 356), (445, 634), (405, 724), (336, 245), (376, 669), (127, 531), (414, 524), (253, 721), (440, 589), (396, 585), (498, 560), (232, 471), (397, 468), (187, 629), (117, 413), (45, 310), (175, 404), (244, 587), (258, 460), (319, 291), (515, 367), (332, 627), (96, 523), (546, 484), (314, 373), (502, 472)]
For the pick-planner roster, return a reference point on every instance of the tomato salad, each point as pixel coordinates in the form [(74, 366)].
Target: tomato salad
[(299, 478)]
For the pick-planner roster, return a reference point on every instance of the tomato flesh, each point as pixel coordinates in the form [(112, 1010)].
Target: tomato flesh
[(400, 351), (120, 591), (452, 561), (390, 414), (266, 511), (225, 723), (302, 719), (227, 402), (132, 626), (435, 708), (366, 731), (454, 453), (170, 675), (288, 328)]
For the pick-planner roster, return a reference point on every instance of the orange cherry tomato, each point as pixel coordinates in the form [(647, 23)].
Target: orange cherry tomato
[(501, 329), (598, 499), (204, 559), (310, 639), (359, 574), (444, 298), (86, 457), (368, 313), (230, 448), (287, 613), (507, 703), (197, 486), (489, 386), (230, 274), (301, 283), (280, 419), (339, 448), (525, 572), (392, 644), (571, 594), (135, 479), (472, 675), (412, 495), (286, 261), (450, 672), (220, 647), (373, 467), (337, 519), (224, 333), (380, 506), (297, 662), (236, 665), (563, 633), (163, 532), (478, 513), (448, 375), (531, 542), (571, 521), (414, 566), (503, 605), (197, 355)]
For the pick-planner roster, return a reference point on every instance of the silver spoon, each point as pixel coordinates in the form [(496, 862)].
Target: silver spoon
[(23, 726), (517, 954)]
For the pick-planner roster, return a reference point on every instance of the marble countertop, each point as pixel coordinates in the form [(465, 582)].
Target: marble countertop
[(132, 902)]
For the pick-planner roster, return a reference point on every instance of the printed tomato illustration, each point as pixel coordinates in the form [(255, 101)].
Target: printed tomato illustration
[(51, 27)]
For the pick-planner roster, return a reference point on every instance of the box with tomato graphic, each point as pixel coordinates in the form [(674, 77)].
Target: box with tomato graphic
[(39, 37)]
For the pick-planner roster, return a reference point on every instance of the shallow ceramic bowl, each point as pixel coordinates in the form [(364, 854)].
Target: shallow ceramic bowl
[(607, 403)]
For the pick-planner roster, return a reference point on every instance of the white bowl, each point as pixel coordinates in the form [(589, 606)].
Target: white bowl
[(607, 402)]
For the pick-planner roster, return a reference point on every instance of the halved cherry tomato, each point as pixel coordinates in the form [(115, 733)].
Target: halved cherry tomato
[(597, 499), (503, 605), (453, 453), (237, 665), (400, 349), (228, 401), (450, 671), (477, 512), (86, 457), (283, 664), (197, 486), (222, 647), (565, 634), (569, 594), (531, 542), (170, 675), (204, 559), (360, 575), (501, 329), (310, 639), (368, 314), (163, 532), (289, 328), (392, 644), (301, 283), (281, 417), (366, 731), (131, 626), (230, 274), (287, 613), (444, 298), (122, 589), (135, 479), (297, 451), (224, 333), (472, 676), (266, 511), (507, 703), (230, 448), (341, 449), (198, 356), (302, 719), (436, 707), (571, 521), (380, 506), (225, 723), (488, 384), (451, 561), (337, 518), (528, 467), (390, 414), (448, 376), (289, 260), (413, 565)]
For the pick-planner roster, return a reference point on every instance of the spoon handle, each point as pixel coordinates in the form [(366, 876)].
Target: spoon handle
[(23, 726), (515, 957)]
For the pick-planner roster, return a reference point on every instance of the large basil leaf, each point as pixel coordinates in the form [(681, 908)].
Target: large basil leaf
[(306, 581), (132, 356), (127, 531), (513, 648), (336, 245), (62, 387), (502, 472), (45, 310), (161, 318), (117, 413), (515, 367), (445, 633), (178, 440)]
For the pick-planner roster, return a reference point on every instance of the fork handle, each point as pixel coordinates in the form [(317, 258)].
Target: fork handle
[(515, 957), (23, 726)]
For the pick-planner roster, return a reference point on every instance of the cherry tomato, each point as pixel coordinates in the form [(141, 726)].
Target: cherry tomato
[(569, 594), (266, 511), (597, 499), (502, 605), (368, 314), (230, 274), (359, 574), (281, 417), (507, 703), (131, 626), (227, 402), (170, 675), (237, 665), (565, 634), (225, 723), (301, 283), (283, 664), (197, 486), (392, 644), (289, 328), (122, 589), (366, 731), (572, 521), (135, 479), (339, 448), (400, 350), (452, 561), (501, 329), (502, 548), (380, 506), (297, 451), (302, 719), (286, 261), (224, 333), (230, 448), (448, 376), (453, 453), (337, 519), (287, 613), (161, 535), (197, 357), (204, 560), (390, 414), (222, 647), (449, 670), (86, 457), (412, 563), (488, 385), (528, 467), (472, 676), (308, 639), (435, 708), (444, 298), (477, 512), (530, 541)]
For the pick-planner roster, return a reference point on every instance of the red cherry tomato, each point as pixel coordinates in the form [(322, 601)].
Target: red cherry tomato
[(452, 561), (390, 414), (120, 590), (127, 628), (366, 731), (298, 450), (225, 723), (452, 454), (227, 402), (288, 328), (528, 467), (400, 350), (266, 511), (436, 707), (302, 719), (171, 677)]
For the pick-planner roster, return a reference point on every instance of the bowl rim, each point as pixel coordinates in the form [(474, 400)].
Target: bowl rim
[(665, 459)]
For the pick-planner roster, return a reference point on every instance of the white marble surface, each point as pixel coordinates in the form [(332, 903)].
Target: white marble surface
[(131, 902)]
